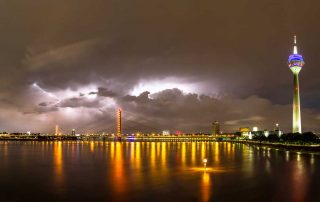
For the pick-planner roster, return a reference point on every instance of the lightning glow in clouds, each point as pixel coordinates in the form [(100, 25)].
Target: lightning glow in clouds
[(154, 86), (59, 95), (36, 86)]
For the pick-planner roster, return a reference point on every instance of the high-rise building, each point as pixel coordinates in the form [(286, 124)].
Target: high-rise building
[(295, 63), (216, 128), (73, 132)]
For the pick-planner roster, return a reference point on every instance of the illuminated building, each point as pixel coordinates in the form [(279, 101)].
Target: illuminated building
[(295, 63), (216, 128), (119, 124), (245, 131), (73, 132), (256, 132), (166, 132)]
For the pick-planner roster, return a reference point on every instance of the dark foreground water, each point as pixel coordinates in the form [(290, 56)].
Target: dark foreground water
[(155, 171)]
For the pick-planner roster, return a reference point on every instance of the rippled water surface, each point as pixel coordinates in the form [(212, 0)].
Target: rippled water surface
[(155, 171)]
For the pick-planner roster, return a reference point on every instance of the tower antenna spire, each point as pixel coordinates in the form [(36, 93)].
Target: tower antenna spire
[(295, 48)]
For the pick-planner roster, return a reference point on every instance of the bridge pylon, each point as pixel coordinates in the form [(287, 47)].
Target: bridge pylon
[(119, 122)]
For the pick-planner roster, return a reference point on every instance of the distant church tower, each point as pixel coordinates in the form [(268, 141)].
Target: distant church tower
[(296, 63)]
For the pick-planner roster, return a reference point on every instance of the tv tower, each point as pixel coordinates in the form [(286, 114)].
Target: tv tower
[(295, 63)]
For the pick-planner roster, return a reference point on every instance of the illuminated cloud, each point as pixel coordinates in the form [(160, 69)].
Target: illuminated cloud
[(157, 85)]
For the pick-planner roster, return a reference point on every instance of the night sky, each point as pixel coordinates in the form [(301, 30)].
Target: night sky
[(177, 65)]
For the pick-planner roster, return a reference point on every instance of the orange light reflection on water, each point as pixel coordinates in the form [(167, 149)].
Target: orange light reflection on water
[(193, 153), (58, 163), (91, 146), (163, 155), (216, 153), (206, 186), (153, 156), (183, 154), (138, 156), (119, 176), (300, 180)]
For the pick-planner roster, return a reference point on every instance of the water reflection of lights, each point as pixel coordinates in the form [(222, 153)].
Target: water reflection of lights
[(206, 186), (183, 154), (112, 150), (312, 159), (153, 156), (193, 153), (158, 149), (92, 146), (119, 180), (211, 170), (132, 152), (138, 155), (58, 162), (203, 150), (216, 153), (298, 156), (287, 155), (163, 155), (299, 179)]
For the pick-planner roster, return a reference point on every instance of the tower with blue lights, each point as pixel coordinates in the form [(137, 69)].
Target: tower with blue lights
[(296, 63)]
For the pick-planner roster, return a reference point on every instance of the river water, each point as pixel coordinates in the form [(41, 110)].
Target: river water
[(155, 171)]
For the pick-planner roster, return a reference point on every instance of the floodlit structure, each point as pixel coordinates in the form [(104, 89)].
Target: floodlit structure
[(295, 63), (119, 124), (56, 132), (166, 132), (245, 131), (255, 129)]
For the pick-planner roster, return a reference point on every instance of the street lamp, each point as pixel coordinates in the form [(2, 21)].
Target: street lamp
[(205, 163)]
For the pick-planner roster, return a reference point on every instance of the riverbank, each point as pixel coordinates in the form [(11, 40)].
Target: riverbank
[(275, 145), (282, 146)]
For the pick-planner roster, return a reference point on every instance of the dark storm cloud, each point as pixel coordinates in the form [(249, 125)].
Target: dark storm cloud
[(43, 104), (79, 102), (174, 110), (237, 50), (104, 92), (42, 109)]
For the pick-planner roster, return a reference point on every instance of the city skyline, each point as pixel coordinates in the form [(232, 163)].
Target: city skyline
[(168, 69), (179, 100)]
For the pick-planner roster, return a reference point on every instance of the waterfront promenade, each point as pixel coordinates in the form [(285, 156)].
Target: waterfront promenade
[(295, 146)]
